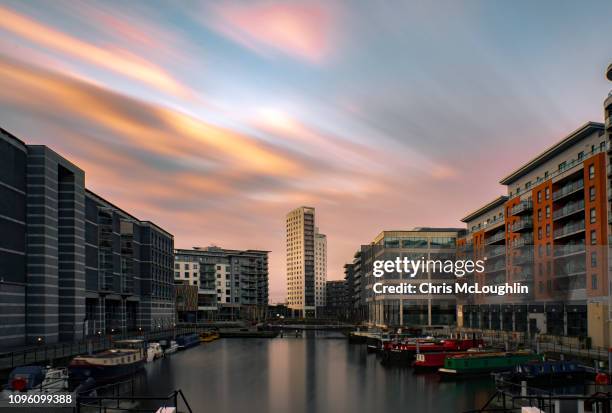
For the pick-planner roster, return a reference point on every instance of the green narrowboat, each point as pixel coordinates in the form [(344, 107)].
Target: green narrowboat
[(474, 364)]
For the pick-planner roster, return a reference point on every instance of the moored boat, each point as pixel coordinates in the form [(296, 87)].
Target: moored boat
[(187, 341), (403, 352), (36, 380), (431, 361), (171, 348), (546, 374), (475, 364), (154, 351), (125, 359), (208, 336)]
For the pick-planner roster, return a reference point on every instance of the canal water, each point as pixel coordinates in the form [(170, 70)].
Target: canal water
[(319, 372)]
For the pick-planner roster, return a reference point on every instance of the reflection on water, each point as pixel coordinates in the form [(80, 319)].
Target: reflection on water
[(320, 372)]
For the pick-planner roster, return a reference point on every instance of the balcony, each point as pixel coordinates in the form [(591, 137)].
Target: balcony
[(569, 210), (525, 274), (570, 269), (521, 208), (526, 258), (568, 190), (495, 252), (563, 251), (500, 266), (523, 241), (496, 238), (569, 230), (522, 225)]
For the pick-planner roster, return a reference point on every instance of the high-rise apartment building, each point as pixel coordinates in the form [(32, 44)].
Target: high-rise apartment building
[(550, 233), (231, 284), (71, 263), (306, 263)]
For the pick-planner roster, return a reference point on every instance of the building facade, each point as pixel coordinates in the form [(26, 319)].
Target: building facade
[(46, 253), (232, 284), (128, 270), (550, 233), (337, 299), (410, 309), (306, 263)]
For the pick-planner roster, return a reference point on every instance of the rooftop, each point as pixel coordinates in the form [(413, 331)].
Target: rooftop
[(573, 138), (486, 208)]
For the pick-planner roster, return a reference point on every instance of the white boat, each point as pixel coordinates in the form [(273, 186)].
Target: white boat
[(172, 348), (36, 380), (154, 351)]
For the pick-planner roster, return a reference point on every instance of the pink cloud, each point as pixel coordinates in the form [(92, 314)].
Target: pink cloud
[(303, 31)]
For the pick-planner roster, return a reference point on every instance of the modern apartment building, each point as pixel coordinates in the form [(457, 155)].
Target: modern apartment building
[(128, 270), (550, 232), (356, 291), (410, 309), (231, 284), (306, 263), (57, 272)]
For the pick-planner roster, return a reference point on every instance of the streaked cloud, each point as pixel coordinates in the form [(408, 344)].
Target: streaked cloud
[(300, 29), (118, 60)]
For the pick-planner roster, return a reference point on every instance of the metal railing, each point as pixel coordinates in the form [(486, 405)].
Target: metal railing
[(496, 237), (568, 189), (524, 223), (569, 229), (521, 207), (569, 209)]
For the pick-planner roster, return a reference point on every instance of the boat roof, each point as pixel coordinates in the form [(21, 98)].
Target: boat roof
[(27, 370)]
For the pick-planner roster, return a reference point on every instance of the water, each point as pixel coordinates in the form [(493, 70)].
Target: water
[(320, 372)]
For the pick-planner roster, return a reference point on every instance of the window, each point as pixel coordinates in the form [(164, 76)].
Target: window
[(592, 193), (594, 281), (186, 266), (594, 259), (591, 171), (580, 155), (548, 230), (527, 185), (539, 215), (593, 237), (546, 192), (548, 249), (547, 211), (540, 233), (186, 275), (539, 196), (562, 166), (593, 215)]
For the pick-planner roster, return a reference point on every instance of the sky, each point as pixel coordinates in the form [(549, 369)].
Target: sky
[(214, 119)]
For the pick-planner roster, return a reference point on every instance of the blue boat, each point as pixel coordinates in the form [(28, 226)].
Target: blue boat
[(187, 341), (546, 373)]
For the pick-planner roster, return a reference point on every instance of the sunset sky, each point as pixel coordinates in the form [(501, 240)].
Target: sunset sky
[(214, 119)]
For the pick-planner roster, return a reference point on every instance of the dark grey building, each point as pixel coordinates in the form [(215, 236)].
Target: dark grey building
[(44, 290), (129, 281), (356, 294), (336, 299)]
